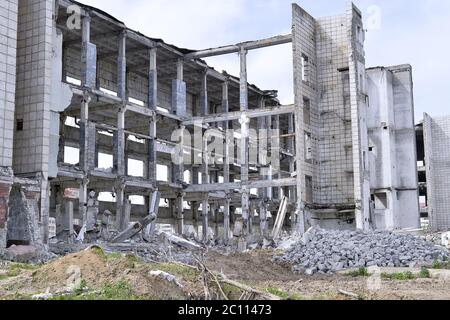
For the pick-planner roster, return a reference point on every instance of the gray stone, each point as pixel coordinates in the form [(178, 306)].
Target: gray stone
[(22, 254), (369, 249)]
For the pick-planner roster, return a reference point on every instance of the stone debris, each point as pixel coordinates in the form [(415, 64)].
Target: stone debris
[(167, 277), (21, 254), (325, 251), (26, 254)]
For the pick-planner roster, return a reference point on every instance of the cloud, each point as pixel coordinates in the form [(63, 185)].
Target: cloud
[(193, 23), (414, 32)]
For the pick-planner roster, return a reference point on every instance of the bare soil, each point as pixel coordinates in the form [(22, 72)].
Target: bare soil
[(254, 269)]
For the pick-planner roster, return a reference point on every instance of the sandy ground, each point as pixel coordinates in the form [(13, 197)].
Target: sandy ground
[(254, 269)]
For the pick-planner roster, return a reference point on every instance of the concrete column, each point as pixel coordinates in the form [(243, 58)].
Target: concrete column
[(153, 209), (62, 140), (68, 221), (83, 198), (226, 222), (179, 170), (119, 144), (122, 66), (204, 110), (180, 213), (120, 206), (300, 175), (291, 147), (88, 56), (153, 80), (179, 91), (263, 155), (205, 216), (86, 29), (92, 146), (244, 135), (84, 134), (204, 104), (195, 204), (152, 104), (226, 162), (269, 147), (263, 220), (226, 126), (276, 126)]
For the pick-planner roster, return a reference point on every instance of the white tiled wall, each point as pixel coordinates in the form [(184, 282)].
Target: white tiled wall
[(31, 146), (8, 45)]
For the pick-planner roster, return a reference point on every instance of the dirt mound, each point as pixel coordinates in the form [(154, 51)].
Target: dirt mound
[(114, 276), (89, 265)]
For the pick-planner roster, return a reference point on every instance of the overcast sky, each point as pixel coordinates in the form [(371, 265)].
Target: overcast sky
[(415, 32)]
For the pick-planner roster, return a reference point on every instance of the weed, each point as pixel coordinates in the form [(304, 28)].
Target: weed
[(361, 272), (425, 273), (401, 276), (283, 294)]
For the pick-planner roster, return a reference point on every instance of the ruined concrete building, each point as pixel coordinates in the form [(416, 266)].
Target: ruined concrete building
[(433, 140), (74, 78)]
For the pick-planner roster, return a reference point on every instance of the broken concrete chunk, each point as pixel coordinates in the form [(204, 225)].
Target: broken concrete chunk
[(21, 254), (167, 277), (179, 241)]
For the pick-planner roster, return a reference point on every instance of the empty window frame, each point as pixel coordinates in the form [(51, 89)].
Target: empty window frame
[(105, 161), (308, 147), (308, 189), (162, 173), (306, 111), (381, 201), (305, 68), (135, 168), (71, 155)]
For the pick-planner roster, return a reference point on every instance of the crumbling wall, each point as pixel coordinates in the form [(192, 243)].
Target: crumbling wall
[(336, 158), (23, 218), (304, 45), (437, 161), (6, 177), (33, 96), (329, 73), (359, 105), (393, 168), (8, 47), (31, 144)]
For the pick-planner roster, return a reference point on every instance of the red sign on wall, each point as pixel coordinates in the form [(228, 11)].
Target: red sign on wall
[(71, 193)]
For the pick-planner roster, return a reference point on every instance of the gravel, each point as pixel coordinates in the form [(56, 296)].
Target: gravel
[(324, 251)]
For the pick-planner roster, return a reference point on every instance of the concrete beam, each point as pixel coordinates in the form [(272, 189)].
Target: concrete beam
[(257, 184), (231, 116), (250, 45)]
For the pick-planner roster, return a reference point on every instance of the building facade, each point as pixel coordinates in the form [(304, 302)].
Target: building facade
[(89, 113)]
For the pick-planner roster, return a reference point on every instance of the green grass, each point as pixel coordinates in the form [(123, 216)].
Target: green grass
[(424, 273), (114, 256), (361, 272), (15, 269), (283, 294), (400, 276), (441, 265), (99, 252), (110, 291)]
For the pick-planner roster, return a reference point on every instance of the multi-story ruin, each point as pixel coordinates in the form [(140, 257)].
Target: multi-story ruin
[(146, 119)]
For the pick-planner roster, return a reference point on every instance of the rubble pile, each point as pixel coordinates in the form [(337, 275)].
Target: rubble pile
[(324, 251)]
